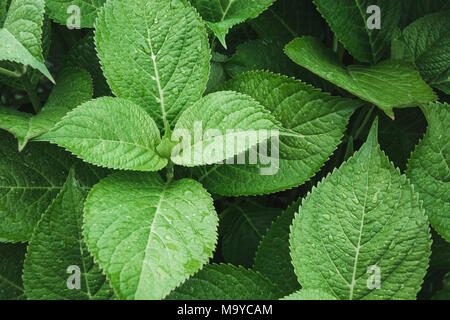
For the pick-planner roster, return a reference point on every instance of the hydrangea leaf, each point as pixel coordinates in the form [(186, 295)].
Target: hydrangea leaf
[(361, 233), (74, 86), (21, 35), (11, 262), (428, 168), (388, 84), (226, 282), (242, 225), (162, 60), (349, 21), (317, 116), (427, 40), (210, 128), (221, 15), (309, 294), (272, 258), (149, 235), (30, 180), (57, 245), (61, 11), (90, 131)]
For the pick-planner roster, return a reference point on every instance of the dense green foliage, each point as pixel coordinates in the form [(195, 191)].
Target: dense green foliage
[(224, 149)]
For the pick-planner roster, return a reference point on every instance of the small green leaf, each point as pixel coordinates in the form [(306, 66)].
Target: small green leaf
[(310, 294), (61, 11), (74, 86), (428, 168), (149, 235), (11, 262), (221, 15), (388, 84), (226, 282), (162, 59), (362, 234), (56, 246), (90, 132)]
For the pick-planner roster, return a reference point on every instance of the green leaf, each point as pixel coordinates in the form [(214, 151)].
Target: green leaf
[(90, 132), (74, 87), (57, 244), (226, 282), (30, 180), (11, 262), (349, 21), (149, 235), (162, 59), (310, 294), (427, 40), (209, 129), (61, 11), (388, 84), (361, 221), (272, 258), (317, 116), (22, 33), (428, 168), (221, 15), (242, 225)]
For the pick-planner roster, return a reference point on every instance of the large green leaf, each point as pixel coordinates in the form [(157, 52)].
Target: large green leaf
[(226, 282), (11, 263), (318, 118), (57, 244), (74, 86), (428, 168), (149, 235), (155, 53), (309, 294), (91, 132), (59, 10), (349, 21), (218, 127), (362, 234), (427, 41), (242, 225), (388, 84), (30, 180), (221, 15), (21, 35), (272, 258)]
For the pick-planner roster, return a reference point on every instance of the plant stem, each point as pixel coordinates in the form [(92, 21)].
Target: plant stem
[(9, 73), (363, 124), (169, 171), (31, 92)]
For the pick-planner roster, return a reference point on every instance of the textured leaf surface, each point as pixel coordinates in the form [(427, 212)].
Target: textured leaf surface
[(226, 282), (21, 35), (388, 84), (57, 244), (148, 235), (155, 53), (364, 215), (273, 258), (74, 86), (348, 20), (309, 294), (232, 116), (320, 118), (428, 168), (427, 41), (11, 262), (30, 180), (59, 10), (242, 227), (221, 15), (91, 132)]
